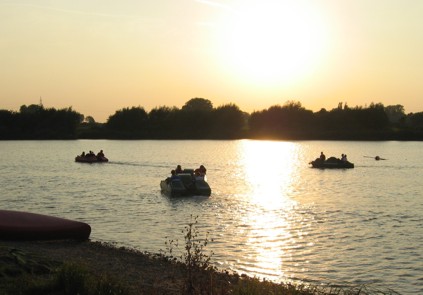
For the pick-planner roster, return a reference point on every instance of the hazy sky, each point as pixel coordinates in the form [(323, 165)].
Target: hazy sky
[(99, 56)]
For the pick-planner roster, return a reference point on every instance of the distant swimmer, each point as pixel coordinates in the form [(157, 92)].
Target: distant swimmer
[(377, 158)]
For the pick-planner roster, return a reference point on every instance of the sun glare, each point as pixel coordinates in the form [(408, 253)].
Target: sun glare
[(272, 41), (269, 169)]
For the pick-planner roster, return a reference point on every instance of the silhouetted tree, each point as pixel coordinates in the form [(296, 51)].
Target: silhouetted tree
[(163, 123), (130, 123), (31, 109), (291, 120), (37, 122), (351, 123), (198, 104), (396, 114), (195, 119), (9, 125), (89, 120), (416, 120), (229, 122), (90, 129)]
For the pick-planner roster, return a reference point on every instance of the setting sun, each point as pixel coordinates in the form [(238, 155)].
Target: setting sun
[(99, 57), (272, 42)]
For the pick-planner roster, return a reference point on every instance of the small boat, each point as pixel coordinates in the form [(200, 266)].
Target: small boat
[(332, 162), (17, 225), (91, 159), (185, 184)]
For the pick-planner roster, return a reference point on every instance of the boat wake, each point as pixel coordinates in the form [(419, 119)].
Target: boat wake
[(137, 164)]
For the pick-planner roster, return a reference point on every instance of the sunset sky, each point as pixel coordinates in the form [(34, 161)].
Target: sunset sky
[(100, 56)]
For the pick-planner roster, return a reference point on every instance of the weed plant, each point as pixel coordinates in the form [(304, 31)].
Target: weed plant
[(199, 270)]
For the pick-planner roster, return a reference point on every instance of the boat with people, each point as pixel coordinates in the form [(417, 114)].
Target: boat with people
[(19, 225), (186, 182), (331, 162), (90, 157)]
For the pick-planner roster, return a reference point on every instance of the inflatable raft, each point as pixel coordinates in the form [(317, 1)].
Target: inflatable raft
[(185, 184), (332, 163), (91, 159)]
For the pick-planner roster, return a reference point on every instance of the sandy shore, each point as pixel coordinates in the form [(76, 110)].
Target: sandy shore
[(141, 273), (144, 273)]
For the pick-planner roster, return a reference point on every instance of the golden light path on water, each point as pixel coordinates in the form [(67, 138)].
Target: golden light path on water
[(269, 171)]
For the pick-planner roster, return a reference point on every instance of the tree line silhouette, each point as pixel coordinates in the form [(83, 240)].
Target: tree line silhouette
[(37, 122), (198, 119)]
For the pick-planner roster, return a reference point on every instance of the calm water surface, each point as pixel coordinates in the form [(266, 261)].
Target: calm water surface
[(270, 215)]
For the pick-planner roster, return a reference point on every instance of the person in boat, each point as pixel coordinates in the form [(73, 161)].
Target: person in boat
[(83, 154), (178, 169), (173, 176), (344, 158), (100, 154), (198, 175), (322, 157), (202, 170)]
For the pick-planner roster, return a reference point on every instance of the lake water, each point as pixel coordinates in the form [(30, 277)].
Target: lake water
[(270, 215)]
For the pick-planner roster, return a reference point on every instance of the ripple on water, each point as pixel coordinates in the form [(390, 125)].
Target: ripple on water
[(269, 215)]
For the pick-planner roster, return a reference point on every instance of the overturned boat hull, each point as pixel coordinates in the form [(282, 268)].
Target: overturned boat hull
[(17, 225)]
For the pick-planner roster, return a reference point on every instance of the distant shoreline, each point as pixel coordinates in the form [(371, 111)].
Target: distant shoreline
[(198, 119)]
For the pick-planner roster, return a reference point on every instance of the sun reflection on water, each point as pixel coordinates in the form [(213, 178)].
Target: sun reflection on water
[(269, 175), (268, 169)]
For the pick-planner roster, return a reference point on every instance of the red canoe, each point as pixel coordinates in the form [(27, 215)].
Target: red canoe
[(15, 225)]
